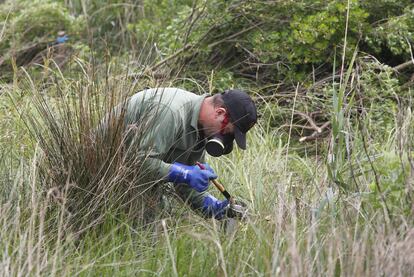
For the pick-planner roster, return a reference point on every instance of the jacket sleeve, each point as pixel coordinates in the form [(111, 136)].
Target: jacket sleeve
[(190, 196), (151, 139)]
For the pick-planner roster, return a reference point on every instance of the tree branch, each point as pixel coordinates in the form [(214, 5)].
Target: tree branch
[(315, 134), (403, 66), (310, 120)]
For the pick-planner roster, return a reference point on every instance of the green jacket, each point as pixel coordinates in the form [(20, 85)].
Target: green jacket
[(172, 135)]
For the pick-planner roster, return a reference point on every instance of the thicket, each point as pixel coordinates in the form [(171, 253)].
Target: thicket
[(266, 42)]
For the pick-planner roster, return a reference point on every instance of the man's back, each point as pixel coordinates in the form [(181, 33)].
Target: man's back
[(165, 121)]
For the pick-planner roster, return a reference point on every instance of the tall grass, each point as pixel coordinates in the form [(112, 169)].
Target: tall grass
[(297, 228), (298, 224)]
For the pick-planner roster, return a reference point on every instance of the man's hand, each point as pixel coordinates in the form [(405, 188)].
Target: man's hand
[(192, 175), (213, 207)]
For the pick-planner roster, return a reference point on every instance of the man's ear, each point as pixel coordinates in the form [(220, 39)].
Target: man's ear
[(220, 111)]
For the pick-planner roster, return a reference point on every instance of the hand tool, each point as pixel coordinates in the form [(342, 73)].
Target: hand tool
[(220, 187)]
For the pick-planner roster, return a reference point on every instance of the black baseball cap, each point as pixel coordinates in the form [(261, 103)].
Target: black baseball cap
[(242, 112)]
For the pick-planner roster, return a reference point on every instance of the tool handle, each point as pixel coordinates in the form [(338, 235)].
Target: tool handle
[(219, 186)]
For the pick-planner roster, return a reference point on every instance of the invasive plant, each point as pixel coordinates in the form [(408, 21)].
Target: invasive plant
[(86, 162)]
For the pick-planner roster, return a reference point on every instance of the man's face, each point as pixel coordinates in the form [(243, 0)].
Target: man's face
[(218, 123)]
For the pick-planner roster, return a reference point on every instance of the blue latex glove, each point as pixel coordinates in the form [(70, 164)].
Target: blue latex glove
[(213, 207), (208, 167), (192, 175)]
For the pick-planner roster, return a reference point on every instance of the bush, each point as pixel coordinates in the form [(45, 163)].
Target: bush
[(394, 176), (28, 22)]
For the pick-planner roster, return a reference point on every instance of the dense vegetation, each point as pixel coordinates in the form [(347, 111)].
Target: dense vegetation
[(328, 176)]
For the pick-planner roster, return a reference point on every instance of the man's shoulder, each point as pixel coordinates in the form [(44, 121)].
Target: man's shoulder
[(175, 98), (164, 94), (175, 95)]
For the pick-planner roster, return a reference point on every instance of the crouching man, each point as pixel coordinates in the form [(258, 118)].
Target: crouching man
[(182, 127)]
